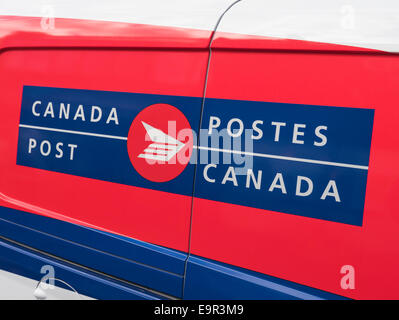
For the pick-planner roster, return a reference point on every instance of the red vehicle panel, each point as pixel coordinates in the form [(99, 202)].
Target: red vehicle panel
[(137, 64), (313, 196), (301, 249)]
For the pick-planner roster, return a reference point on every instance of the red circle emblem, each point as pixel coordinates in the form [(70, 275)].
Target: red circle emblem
[(160, 142)]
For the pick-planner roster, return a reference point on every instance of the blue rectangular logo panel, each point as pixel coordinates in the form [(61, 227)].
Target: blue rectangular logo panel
[(86, 133), (304, 160)]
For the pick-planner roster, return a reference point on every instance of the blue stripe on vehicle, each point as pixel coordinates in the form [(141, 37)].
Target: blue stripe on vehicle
[(142, 263), (27, 263), (208, 279)]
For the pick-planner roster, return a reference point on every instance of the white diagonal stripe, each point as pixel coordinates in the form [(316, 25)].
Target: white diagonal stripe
[(272, 156), (253, 154), (74, 132)]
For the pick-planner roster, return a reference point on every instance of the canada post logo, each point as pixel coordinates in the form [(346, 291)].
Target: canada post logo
[(141, 140), (160, 142), (304, 160)]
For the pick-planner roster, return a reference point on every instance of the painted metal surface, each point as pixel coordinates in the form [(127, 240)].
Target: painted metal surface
[(193, 14), (99, 142), (355, 23), (308, 251), (139, 70), (132, 59), (306, 160), (28, 264), (349, 90), (208, 279), (27, 32), (143, 264)]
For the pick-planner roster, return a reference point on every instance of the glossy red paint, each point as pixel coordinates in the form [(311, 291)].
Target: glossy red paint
[(99, 56), (233, 41), (26, 32), (299, 249), (303, 250)]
